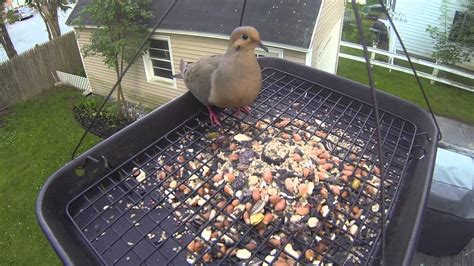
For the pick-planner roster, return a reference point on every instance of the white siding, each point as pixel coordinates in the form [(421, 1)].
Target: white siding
[(330, 50), (324, 50), (414, 17)]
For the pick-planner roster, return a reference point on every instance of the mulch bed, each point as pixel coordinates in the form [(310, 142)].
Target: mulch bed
[(103, 126)]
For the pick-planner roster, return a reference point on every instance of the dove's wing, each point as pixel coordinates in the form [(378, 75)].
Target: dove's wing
[(197, 77)]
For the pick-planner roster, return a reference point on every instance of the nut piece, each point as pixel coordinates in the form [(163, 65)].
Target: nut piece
[(246, 217), (353, 229), (297, 137), (375, 207), (173, 184), (253, 180), (228, 190), (207, 257), (268, 218), (206, 233), (191, 246), (303, 190), (313, 222), (234, 157), (243, 254), (229, 177), (335, 190), (302, 210), (181, 159), (217, 178), (272, 191), (289, 249), (268, 177), (355, 184), (274, 242), (274, 199), (297, 157), (256, 194), (256, 218), (347, 172), (306, 172), (242, 138), (309, 255), (289, 185), (324, 210), (281, 205)]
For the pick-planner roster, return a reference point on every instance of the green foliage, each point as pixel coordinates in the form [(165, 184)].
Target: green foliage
[(464, 28), (446, 101), (11, 18), (121, 29), (447, 51), (90, 105), (61, 4), (82, 73), (38, 139), (120, 33), (350, 33)]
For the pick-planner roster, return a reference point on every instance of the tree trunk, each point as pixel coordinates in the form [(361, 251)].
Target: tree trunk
[(119, 73), (120, 98), (53, 19), (7, 42), (38, 7), (49, 12)]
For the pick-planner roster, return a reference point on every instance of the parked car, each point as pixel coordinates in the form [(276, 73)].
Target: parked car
[(372, 11), (23, 13)]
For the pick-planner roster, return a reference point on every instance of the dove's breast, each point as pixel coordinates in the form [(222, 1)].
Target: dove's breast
[(236, 83)]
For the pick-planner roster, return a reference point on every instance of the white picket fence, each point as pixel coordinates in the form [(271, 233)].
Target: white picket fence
[(79, 82), (390, 65)]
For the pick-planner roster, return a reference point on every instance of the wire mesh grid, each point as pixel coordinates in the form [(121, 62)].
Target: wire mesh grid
[(173, 203)]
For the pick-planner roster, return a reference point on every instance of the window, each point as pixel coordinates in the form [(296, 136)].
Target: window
[(272, 52), (462, 29), (159, 61)]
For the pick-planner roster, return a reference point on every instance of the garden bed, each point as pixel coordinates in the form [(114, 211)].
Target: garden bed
[(108, 121)]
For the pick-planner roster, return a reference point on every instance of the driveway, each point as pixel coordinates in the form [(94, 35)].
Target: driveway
[(29, 32)]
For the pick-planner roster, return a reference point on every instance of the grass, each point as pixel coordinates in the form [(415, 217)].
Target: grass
[(38, 138), (446, 101)]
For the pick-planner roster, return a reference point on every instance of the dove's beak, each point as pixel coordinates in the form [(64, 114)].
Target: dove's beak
[(260, 44)]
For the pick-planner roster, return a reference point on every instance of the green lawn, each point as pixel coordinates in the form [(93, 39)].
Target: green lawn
[(38, 138), (446, 101)]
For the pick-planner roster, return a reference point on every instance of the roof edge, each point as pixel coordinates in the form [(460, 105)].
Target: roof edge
[(215, 36)]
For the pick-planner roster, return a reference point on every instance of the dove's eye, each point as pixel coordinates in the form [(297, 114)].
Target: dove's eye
[(245, 37)]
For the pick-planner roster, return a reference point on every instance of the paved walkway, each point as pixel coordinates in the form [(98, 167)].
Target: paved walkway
[(456, 136)]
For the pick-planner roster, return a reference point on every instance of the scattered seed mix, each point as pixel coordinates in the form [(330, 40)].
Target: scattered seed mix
[(268, 193)]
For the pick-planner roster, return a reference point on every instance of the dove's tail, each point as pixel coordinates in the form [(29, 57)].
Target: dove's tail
[(182, 67)]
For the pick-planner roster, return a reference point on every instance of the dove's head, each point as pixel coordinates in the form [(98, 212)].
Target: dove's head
[(245, 38)]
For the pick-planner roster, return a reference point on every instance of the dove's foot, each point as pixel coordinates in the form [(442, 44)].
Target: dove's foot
[(213, 117), (245, 109)]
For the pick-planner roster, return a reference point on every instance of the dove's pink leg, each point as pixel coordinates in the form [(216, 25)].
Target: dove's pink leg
[(213, 117), (245, 109)]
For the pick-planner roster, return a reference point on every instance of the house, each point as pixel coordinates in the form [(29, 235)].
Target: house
[(10, 4), (412, 17), (304, 31)]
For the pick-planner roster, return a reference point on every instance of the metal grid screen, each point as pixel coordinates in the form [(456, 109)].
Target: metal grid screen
[(196, 196)]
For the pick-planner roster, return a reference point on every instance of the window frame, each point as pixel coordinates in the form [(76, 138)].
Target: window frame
[(459, 27), (150, 75), (277, 51)]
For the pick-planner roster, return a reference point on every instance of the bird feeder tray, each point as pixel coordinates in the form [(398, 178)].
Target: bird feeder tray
[(94, 211)]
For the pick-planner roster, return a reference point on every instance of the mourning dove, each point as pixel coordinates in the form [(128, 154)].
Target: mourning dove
[(231, 80)]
